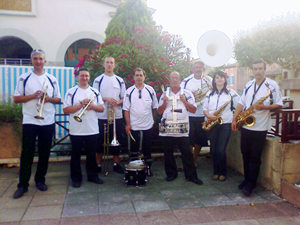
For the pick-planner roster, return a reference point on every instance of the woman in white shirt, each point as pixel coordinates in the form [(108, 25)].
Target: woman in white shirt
[(219, 102)]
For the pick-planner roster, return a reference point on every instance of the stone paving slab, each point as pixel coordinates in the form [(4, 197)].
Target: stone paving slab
[(158, 202)]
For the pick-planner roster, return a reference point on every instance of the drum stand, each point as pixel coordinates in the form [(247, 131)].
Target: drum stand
[(136, 170)]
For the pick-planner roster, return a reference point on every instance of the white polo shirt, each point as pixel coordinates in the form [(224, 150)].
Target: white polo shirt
[(89, 124), (263, 117), (214, 102), (168, 114), (192, 84), (140, 104), (29, 83), (113, 87)]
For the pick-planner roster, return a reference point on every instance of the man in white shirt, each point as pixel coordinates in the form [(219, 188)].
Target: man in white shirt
[(253, 138), (112, 89), (30, 92), (174, 104), (139, 105), (197, 81), (84, 130)]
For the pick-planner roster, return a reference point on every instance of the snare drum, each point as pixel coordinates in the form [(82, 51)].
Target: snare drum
[(174, 128), (135, 173)]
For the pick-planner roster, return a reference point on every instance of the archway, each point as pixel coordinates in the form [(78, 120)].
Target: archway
[(78, 49), (14, 51)]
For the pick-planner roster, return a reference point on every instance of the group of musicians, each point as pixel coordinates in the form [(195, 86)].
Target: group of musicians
[(193, 110)]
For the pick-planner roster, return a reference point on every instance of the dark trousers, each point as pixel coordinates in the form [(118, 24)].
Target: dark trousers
[(186, 155), (146, 144), (197, 135), (114, 150), (252, 143), (219, 137), (89, 142), (29, 134)]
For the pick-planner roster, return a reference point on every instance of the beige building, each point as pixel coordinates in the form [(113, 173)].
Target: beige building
[(64, 29)]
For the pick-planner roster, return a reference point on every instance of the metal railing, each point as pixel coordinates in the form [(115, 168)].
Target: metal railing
[(14, 61)]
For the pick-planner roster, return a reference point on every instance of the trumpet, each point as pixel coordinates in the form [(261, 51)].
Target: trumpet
[(41, 104), (82, 111)]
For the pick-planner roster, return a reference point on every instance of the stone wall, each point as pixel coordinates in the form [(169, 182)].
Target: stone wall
[(280, 161)]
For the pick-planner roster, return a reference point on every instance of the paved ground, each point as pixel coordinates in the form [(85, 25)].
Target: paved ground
[(159, 202)]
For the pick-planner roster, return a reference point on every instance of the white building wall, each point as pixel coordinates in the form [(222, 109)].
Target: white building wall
[(57, 24)]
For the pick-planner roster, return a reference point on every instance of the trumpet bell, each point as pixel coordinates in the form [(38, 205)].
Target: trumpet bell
[(77, 118), (250, 121), (39, 117), (214, 48)]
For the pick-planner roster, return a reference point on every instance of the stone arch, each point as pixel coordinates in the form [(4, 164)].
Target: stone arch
[(73, 38), (5, 32)]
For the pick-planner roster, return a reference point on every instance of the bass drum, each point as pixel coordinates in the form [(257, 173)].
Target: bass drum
[(135, 174)]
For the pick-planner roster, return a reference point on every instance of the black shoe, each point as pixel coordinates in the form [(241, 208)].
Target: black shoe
[(242, 185), (76, 184), (196, 181), (96, 180), (20, 192), (41, 186), (247, 190), (118, 169), (99, 169), (171, 178)]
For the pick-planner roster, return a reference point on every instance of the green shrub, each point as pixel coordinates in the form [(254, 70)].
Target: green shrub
[(10, 112)]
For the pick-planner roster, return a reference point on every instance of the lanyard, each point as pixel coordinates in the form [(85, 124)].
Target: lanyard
[(255, 91)]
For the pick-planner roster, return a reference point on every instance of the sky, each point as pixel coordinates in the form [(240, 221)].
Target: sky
[(192, 18)]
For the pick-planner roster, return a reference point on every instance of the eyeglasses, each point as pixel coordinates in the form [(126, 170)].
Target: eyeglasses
[(140, 94), (37, 51)]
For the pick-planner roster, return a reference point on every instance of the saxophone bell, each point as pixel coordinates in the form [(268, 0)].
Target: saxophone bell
[(250, 121)]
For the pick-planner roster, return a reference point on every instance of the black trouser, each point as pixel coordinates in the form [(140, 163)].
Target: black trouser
[(146, 144), (29, 134), (90, 144), (186, 155), (252, 143)]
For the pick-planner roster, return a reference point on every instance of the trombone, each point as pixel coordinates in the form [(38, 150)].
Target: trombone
[(105, 149), (111, 119), (41, 103)]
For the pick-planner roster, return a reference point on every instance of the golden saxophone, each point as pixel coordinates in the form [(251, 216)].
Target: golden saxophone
[(199, 94), (245, 117), (208, 124)]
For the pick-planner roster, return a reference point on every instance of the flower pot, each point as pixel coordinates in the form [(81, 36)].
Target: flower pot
[(10, 142)]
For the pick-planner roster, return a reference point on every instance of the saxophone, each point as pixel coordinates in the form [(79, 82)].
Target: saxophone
[(199, 94), (245, 117), (208, 124)]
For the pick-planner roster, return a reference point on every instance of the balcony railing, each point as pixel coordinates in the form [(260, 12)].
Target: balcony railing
[(16, 62), (287, 123)]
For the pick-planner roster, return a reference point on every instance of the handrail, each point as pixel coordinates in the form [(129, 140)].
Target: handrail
[(289, 119)]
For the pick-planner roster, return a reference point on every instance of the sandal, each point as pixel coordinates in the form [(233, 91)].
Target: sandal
[(215, 177), (222, 178)]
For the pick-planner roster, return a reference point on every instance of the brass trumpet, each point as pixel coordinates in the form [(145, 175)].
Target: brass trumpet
[(82, 111), (41, 104)]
